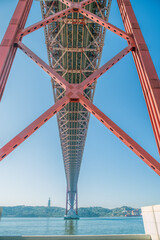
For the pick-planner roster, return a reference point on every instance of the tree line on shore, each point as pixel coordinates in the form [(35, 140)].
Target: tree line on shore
[(41, 211)]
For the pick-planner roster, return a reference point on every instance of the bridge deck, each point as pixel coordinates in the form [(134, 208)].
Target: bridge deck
[(74, 46)]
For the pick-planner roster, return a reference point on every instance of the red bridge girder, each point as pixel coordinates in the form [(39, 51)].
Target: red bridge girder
[(74, 92)]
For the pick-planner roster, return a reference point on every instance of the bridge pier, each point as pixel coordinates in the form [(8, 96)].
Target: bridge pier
[(71, 205)]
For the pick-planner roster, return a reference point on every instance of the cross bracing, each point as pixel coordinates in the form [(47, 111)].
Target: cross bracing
[(74, 46), (77, 83)]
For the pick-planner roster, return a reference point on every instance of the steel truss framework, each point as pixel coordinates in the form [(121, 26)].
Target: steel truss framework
[(74, 45), (71, 92)]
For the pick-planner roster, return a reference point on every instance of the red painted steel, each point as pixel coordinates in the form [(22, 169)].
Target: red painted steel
[(135, 147), (80, 4), (44, 22), (93, 77), (28, 131), (86, 2), (74, 93), (105, 24), (7, 48), (66, 2), (53, 74), (147, 74)]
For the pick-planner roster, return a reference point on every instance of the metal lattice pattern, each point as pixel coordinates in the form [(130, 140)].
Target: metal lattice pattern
[(74, 46)]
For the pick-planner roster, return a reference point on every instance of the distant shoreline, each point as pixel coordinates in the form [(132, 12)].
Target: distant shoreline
[(72, 219), (88, 212)]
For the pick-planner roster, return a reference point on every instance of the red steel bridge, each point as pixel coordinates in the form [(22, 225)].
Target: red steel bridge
[(74, 34)]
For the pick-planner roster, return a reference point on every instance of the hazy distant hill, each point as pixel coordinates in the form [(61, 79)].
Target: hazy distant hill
[(29, 211)]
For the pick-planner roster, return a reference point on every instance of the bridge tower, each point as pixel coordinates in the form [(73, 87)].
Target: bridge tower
[(74, 33)]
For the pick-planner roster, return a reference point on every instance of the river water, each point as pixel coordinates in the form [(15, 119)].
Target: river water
[(59, 226)]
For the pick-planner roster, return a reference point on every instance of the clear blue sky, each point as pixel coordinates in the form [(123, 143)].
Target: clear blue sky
[(111, 175)]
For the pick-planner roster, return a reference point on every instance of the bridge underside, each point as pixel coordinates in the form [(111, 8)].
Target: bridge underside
[(74, 46)]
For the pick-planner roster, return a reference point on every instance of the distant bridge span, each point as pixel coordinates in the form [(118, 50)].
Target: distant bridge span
[(74, 34)]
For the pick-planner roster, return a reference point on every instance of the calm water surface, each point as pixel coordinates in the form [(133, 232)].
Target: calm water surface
[(59, 226)]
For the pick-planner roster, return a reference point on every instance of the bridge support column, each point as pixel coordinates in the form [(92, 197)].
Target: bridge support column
[(71, 205), (147, 74), (8, 48)]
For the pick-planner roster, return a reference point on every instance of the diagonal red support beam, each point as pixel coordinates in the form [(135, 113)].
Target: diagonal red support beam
[(66, 2), (44, 22), (135, 147), (105, 24), (7, 47), (147, 74), (86, 2), (93, 77), (28, 131), (77, 4), (49, 70)]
